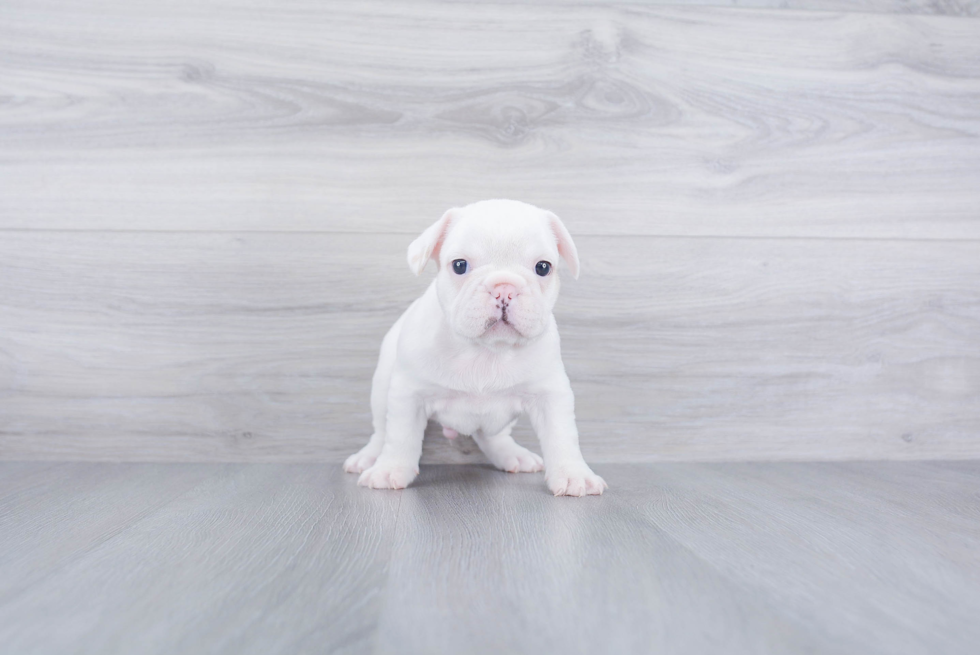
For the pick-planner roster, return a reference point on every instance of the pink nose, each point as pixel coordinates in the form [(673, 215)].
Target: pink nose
[(504, 292)]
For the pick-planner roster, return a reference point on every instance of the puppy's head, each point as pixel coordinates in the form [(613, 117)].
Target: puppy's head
[(498, 268)]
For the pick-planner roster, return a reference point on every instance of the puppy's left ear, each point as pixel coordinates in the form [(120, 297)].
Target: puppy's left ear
[(566, 247), (427, 246)]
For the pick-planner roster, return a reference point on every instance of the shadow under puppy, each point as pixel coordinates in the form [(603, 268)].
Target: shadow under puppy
[(479, 348)]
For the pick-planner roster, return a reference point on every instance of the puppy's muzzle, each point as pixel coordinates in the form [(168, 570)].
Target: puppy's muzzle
[(503, 293)]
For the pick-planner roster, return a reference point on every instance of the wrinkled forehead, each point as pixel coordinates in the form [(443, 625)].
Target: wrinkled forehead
[(500, 236)]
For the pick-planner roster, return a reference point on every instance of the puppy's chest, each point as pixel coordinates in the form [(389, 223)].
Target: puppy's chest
[(469, 413)]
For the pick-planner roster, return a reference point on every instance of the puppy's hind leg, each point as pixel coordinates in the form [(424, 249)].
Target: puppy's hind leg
[(366, 456), (506, 454)]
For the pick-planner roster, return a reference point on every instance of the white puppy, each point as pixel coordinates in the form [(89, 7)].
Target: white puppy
[(479, 348)]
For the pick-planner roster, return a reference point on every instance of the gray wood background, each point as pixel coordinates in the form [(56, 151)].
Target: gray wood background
[(204, 208)]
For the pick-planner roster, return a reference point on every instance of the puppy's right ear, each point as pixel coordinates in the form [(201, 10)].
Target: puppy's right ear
[(427, 246)]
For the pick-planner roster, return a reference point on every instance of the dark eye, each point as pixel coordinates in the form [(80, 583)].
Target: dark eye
[(542, 268), (459, 266)]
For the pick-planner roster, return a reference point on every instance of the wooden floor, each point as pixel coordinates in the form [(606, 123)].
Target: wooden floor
[(675, 558)]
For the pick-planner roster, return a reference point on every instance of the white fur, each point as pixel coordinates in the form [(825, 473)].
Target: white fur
[(477, 350)]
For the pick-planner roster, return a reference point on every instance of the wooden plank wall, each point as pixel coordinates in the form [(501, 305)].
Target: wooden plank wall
[(204, 208)]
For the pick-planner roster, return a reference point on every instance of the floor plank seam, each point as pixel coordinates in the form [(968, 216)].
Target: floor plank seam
[(375, 645), (9, 596)]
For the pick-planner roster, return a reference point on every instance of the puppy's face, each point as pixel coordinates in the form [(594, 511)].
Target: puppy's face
[(498, 268)]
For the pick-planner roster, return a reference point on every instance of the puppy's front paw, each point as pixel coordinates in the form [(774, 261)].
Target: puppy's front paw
[(388, 476), (516, 459), (362, 459), (574, 480)]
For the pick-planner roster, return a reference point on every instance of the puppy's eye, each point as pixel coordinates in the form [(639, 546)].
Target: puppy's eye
[(459, 266), (542, 268)]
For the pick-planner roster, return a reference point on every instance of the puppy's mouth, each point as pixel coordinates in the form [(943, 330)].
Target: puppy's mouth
[(497, 325)]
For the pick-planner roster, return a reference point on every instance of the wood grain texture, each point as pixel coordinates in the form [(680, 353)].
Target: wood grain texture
[(260, 347), (260, 559), (628, 119), (928, 7), (565, 577), (61, 512), (856, 580), (842, 558), (745, 558), (204, 206)]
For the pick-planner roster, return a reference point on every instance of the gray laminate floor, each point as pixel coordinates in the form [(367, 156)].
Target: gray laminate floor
[(675, 558)]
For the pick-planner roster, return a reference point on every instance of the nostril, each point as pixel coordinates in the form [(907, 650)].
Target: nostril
[(504, 292)]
